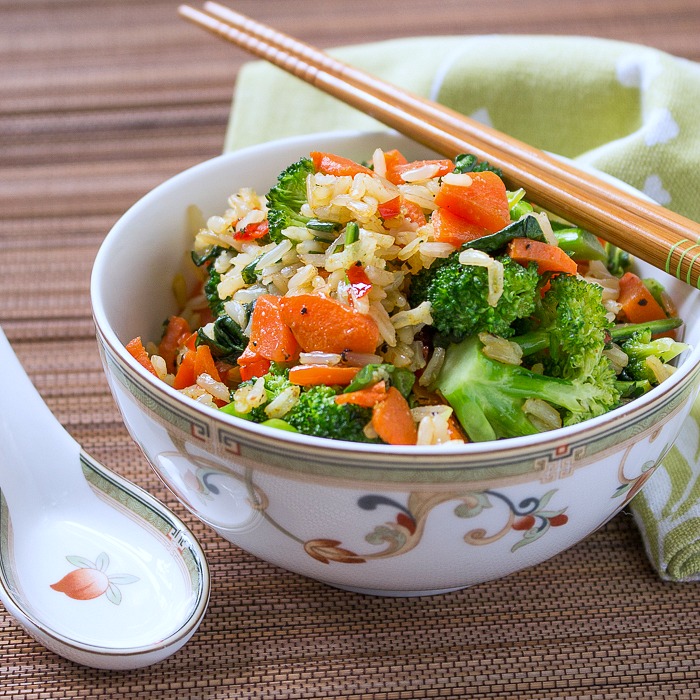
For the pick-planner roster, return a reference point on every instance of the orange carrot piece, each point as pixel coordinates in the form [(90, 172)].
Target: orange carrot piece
[(453, 229), (331, 164), (399, 205), (270, 336), (637, 302), (259, 368), (323, 324), (185, 375), (549, 258), (176, 333), (395, 174), (204, 363), (454, 429), (484, 202), (392, 419), (138, 352), (393, 159), (308, 375), (252, 365), (412, 212), (366, 397)]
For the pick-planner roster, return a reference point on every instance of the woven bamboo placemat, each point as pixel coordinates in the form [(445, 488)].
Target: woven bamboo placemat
[(99, 102)]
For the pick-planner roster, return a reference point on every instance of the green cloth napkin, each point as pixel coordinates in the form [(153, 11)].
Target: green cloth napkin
[(628, 110)]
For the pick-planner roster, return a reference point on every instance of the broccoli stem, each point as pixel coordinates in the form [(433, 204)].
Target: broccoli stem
[(623, 331), (535, 341)]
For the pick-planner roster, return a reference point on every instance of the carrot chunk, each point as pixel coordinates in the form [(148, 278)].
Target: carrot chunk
[(326, 325), (185, 375), (204, 363), (252, 365), (412, 212), (453, 229), (138, 352), (637, 302), (270, 336), (400, 205), (176, 333), (392, 419), (393, 159), (331, 164), (308, 375), (484, 202), (368, 397), (396, 172), (549, 258)]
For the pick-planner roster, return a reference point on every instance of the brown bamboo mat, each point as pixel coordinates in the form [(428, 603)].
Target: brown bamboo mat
[(100, 101)]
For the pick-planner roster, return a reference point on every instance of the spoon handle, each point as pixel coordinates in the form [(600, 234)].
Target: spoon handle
[(39, 460)]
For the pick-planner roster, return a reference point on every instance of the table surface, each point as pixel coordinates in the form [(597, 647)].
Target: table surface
[(101, 100)]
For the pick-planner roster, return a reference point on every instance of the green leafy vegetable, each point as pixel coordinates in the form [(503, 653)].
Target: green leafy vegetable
[(369, 375), (527, 227), (227, 341), (469, 163), (488, 396)]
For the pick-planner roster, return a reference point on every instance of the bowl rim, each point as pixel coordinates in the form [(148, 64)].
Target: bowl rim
[(298, 441)]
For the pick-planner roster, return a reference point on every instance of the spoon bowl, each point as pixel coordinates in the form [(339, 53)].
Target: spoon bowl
[(91, 566)]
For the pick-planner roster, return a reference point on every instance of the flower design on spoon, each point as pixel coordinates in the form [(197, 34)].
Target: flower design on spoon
[(90, 580)]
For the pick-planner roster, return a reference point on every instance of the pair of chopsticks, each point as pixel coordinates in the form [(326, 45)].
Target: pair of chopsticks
[(652, 233)]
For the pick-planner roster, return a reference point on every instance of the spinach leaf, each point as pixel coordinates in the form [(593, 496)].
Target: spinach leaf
[(527, 227), (228, 341), (469, 163)]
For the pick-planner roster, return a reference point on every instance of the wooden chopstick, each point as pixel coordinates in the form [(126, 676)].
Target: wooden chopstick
[(504, 149), (660, 237)]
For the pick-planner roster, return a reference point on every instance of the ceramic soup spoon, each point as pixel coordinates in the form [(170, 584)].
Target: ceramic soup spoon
[(90, 565)]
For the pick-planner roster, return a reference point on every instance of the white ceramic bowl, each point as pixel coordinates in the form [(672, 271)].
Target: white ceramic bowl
[(370, 518)]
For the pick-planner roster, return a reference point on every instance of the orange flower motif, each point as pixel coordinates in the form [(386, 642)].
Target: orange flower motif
[(90, 580), (83, 584)]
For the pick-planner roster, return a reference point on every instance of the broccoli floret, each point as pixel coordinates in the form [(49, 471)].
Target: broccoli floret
[(314, 413), (317, 413), (570, 328), (488, 396), (276, 381), (458, 295), (643, 352), (285, 199)]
